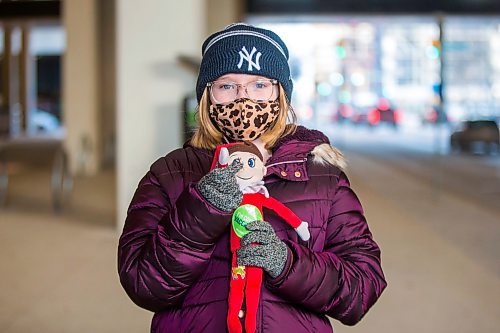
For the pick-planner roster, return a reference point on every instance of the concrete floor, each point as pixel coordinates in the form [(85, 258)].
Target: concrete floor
[(58, 272), (440, 276)]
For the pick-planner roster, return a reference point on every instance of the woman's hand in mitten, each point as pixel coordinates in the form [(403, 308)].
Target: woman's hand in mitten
[(269, 252), (219, 187)]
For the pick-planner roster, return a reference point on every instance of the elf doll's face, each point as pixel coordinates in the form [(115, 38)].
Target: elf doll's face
[(253, 170)]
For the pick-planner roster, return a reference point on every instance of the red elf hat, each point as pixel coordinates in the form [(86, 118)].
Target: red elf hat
[(222, 154)]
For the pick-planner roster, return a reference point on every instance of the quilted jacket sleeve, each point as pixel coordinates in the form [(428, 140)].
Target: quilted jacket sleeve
[(344, 280), (166, 241)]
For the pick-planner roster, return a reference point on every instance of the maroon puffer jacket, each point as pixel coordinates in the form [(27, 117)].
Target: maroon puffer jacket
[(174, 256)]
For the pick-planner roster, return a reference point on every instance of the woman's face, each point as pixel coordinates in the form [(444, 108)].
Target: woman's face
[(244, 82), (243, 106)]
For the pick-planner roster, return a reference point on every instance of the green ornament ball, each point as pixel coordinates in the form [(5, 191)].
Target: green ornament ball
[(244, 215)]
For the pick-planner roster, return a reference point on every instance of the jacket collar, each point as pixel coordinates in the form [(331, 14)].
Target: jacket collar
[(302, 134), (290, 154), (296, 146)]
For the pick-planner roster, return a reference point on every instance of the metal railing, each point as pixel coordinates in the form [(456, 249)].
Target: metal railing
[(43, 153)]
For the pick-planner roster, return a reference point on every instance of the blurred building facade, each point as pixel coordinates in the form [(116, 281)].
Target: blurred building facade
[(110, 78), (104, 77)]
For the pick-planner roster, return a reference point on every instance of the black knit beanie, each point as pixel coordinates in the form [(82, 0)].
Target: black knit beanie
[(242, 48)]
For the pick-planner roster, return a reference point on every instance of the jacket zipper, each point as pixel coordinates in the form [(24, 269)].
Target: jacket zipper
[(287, 162)]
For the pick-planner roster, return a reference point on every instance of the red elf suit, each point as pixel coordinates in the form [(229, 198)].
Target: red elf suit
[(245, 282)]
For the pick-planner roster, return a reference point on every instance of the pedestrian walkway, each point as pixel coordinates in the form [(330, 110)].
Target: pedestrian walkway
[(59, 271), (441, 277)]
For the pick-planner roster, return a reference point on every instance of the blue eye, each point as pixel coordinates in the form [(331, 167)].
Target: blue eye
[(251, 162)]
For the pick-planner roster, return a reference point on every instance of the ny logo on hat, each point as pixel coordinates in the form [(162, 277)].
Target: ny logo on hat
[(244, 55)]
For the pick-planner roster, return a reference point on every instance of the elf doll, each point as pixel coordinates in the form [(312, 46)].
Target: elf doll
[(245, 282)]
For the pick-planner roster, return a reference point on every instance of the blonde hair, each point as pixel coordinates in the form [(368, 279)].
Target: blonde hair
[(207, 136)]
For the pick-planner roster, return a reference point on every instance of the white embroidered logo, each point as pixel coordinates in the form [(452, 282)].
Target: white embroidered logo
[(249, 58)]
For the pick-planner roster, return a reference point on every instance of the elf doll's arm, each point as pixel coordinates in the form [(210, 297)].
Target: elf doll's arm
[(290, 217)]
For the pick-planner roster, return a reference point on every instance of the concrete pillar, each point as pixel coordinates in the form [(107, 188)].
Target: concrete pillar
[(107, 81), (150, 83), (27, 87), (80, 84), (221, 13), (11, 108)]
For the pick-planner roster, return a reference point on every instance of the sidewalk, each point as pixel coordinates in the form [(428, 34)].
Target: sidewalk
[(440, 276), (59, 271)]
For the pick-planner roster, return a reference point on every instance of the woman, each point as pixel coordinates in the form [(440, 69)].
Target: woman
[(174, 256)]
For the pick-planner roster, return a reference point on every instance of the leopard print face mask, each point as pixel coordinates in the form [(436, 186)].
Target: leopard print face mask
[(244, 119)]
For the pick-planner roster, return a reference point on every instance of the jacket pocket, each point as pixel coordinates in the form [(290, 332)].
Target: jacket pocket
[(207, 291)]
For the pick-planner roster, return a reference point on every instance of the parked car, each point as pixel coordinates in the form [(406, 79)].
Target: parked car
[(343, 113), (475, 135), (432, 116), (42, 121), (360, 117), (384, 113)]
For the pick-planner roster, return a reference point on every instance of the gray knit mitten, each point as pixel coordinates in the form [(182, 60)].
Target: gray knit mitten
[(270, 253), (219, 187)]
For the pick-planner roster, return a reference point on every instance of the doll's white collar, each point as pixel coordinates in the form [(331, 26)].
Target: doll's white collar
[(256, 188)]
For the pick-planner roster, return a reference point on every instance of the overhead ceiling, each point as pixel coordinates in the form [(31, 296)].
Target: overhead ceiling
[(29, 9), (372, 6)]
